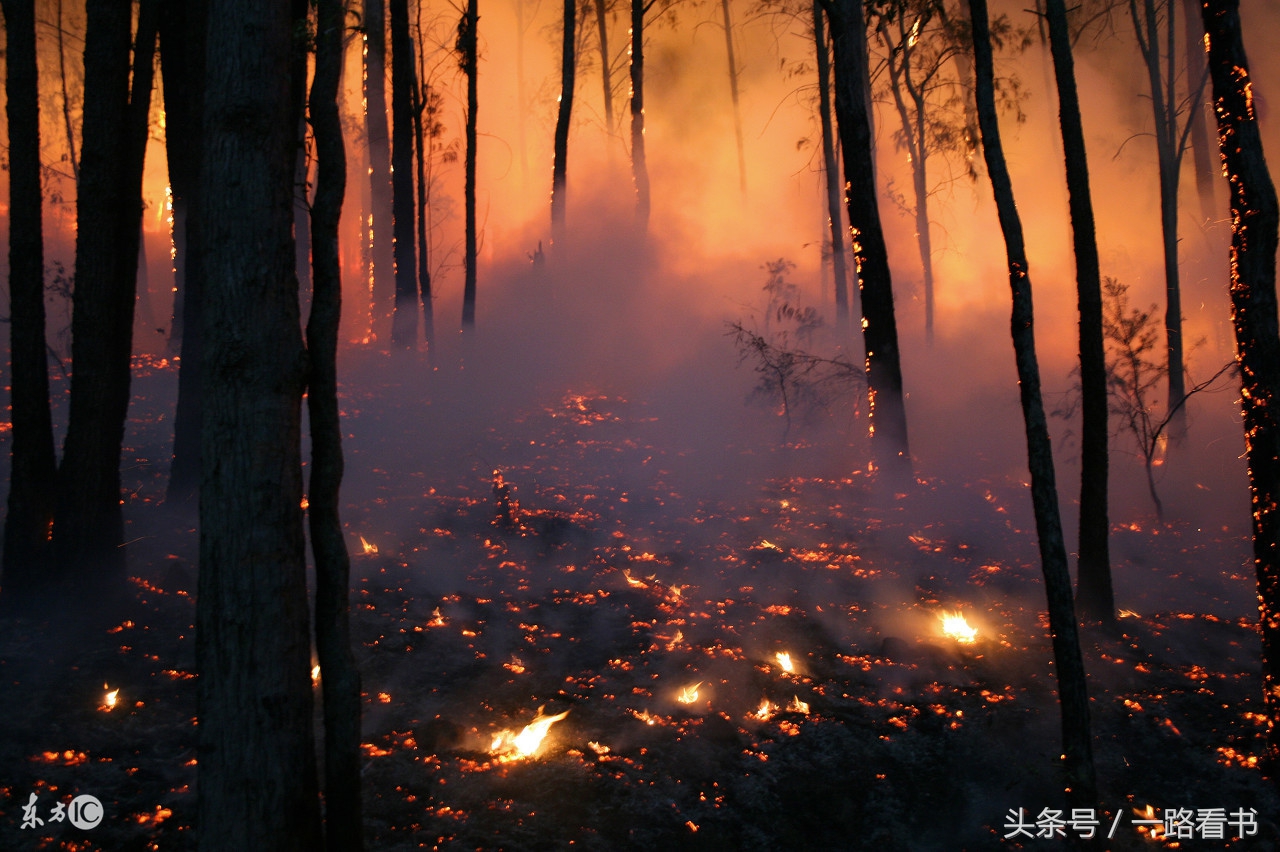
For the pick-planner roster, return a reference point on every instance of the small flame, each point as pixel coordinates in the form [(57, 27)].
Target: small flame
[(798, 706), (955, 626), (315, 674), (109, 701), (766, 710), (689, 694), (369, 549), (527, 742), (784, 660), (632, 581), (437, 620)]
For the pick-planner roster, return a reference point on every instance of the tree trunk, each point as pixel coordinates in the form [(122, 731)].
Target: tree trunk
[(568, 66), (257, 776), (31, 478), (88, 533), (340, 680), (888, 415), (1201, 146), (182, 49), (1073, 697), (380, 192), (733, 91), (639, 168), (606, 65), (1255, 218), (834, 217), (404, 333), (1094, 593), (467, 44), (424, 133)]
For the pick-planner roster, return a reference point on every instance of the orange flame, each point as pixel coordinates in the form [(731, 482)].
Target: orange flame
[(528, 741), (689, 694), (955, 626)]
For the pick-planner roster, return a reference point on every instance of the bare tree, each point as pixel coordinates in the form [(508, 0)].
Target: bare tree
[(564, 112), (1073, 695), (467, 48), (404, 328), (831, 174)]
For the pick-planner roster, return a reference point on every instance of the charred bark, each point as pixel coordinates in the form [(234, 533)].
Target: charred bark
[(31, 478), (381, 197), (606, 64), (1255, 218), (834, 216), (639, 168), (1073, 697), (888, 413), (568, 68), (1095, 597), (424, 130), (340, 679), (256, 776), (467, 48), (88, 533), (182, 48), (404, 334)]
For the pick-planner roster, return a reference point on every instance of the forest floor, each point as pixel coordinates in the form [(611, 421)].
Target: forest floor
[(660, 612)]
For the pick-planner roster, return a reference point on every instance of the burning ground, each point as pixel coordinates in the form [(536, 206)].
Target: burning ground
[(754, 662)]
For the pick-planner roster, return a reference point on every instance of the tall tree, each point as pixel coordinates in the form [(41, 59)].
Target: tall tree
[(733, 93), (1201, 154), (606, 62), (31, 478), (568, 69), (382, 277), (1255, 218), (1154, 27), (404, 332), (888, 414), (182, 47), (88, 534), (426, 127), (340, 680), (1073, 697), (1095, 597), (468, 47), (257, 774), (639, 167), (832, 178)]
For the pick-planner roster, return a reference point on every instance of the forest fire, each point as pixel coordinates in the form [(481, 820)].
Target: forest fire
[(508, 745), (955, 626)]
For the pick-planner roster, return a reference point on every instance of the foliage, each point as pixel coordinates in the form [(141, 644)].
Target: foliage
[(792, 376)]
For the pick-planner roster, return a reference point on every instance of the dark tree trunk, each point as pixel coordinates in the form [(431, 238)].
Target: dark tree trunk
[(257, 775), (1201, 146), (1255, 218), (380, 192), (639, 168), (733, 92), (424, 133), (834, 216), (340, 680), (888, 413), (467, 44), (404, 333), (1094, 594), (568, 67), (182, 48), (88, 534), (31, 478), (606, 64), (1077, 746)]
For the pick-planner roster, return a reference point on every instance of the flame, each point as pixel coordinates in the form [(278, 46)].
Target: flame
[(632, 581), (315, 674), (109, 700), (955, 626), (766, 710), (527, 742), (437, 620), (795, 705), (369, 549), (784, 660), (689, 694)]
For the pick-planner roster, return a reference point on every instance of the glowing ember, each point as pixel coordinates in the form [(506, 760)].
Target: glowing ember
[(784, 660), (798, 706), (437, 620), (109, 701), (632, 581), (689, 694), (955, 626), (369, 549), (527, 742)]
